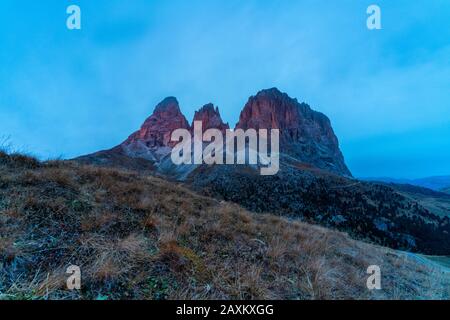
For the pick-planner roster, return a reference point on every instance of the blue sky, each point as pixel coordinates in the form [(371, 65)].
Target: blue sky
[(387, 92)]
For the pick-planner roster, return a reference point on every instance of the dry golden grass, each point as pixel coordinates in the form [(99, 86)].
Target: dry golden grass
[(139, 237)]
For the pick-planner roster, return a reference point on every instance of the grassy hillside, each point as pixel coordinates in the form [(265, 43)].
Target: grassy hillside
[(437, 202), (367, 211), (140, 237)]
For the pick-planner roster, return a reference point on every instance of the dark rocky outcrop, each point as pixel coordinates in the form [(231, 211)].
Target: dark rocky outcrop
[(305, 134)]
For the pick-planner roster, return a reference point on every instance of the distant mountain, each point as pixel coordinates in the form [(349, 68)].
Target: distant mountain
[(446, 190), (434, 183), (437, 202), (313, 183)]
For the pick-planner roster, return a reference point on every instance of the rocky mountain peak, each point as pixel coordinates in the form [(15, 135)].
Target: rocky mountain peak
[(155, 133), (168, 105), (210, 118), (305, 134)]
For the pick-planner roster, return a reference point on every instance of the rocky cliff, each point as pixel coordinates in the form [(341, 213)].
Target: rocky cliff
[(210, 118), (313, 183), (305, 134), (152, 140)]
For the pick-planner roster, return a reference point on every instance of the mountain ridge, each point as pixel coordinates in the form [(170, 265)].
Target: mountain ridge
[(306, 135), (313, 183), (436, 183)]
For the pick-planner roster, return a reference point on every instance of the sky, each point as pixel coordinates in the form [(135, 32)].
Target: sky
[(65, 93)]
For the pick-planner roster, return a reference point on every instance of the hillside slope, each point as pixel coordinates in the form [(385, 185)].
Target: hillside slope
[(437, 183), (437, 202), (314, 183), (367, 211), (140, 237)]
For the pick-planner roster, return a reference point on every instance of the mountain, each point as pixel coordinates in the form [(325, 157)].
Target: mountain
[(305, 134), (312, 185), (427, 191), (146, 148), (152, 140), (136, 236), (210, 118), (434, 183)]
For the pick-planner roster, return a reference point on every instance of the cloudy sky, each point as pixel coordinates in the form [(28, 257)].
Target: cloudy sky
[(387, 92)]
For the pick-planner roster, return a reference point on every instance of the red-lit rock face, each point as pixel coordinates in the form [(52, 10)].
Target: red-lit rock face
[(157, 129), (210, 118), (304, 133)]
